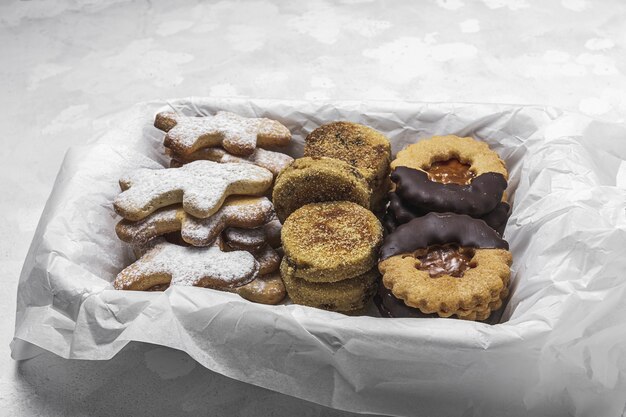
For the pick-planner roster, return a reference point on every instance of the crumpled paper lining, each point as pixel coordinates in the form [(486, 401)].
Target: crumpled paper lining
[(561, 344)]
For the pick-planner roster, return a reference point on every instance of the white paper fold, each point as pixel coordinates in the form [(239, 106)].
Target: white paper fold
[(560, 348)]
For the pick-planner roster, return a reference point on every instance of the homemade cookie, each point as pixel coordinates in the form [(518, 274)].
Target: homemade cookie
[(165, 263), (265, 289), (447, 264), (400, 213), (348, 295), (201, 186), (238, 211), (331, 241), (238, 135), (272, 161), (450, 174), (360, 146), (253, 239), (314, 180)]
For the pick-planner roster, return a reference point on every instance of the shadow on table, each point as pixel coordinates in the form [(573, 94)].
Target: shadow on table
[(149, 380)]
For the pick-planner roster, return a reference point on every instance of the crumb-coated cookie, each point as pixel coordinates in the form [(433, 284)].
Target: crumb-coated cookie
[(314, 180), (331, 241), (344, 296), (360, 146)]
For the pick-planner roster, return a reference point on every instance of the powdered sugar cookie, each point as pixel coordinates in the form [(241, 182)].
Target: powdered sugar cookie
[(265, 289), (238, 135), (239, 211), (253, 239), (201, 186), (166, 263), (272, 161)]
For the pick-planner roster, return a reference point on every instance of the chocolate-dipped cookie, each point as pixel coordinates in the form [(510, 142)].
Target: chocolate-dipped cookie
[(447, 264)]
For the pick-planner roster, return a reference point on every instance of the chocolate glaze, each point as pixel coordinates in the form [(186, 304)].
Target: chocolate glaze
[(439, 229), (402, 213), (477, 198)]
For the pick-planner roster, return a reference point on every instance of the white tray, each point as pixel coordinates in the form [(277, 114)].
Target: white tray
[(560, 347)]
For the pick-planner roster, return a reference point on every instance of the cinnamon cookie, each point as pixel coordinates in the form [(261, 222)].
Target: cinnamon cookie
[(331, 241), (314, 180), (348, 295)]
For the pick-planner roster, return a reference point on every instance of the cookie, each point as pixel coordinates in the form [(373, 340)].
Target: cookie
[(238, 211), (450, 174), (331, 241), (165, 263), (344, 296), (360, 146), (272, 161), (447, 264), (265, 289), (236, 134), (201, 186), (253, 239), (402, 213), (314, 180)]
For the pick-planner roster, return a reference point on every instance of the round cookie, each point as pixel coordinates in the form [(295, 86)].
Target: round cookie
[(450, 174), (314, 180), (447, 264), (360, 146), (423, 154), (331, 241), (344, 296)]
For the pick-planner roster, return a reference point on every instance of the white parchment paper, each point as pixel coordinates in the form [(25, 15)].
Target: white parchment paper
[(560, 347)]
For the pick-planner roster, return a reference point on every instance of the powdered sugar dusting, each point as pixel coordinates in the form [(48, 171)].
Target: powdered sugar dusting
[(200, 185), (248, 238), (235, 133), (188, 265), (270, 160)]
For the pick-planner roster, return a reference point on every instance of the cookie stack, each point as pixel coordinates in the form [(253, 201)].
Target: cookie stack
[(330, 257), (342, 161), (444, 254), (448, 174), (206, 223), (225, 137), (330, 235)]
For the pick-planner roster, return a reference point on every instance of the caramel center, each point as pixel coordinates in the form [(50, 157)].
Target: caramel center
[(445, 260), (450, 171)]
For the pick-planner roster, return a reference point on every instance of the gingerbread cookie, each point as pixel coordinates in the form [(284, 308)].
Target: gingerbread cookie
[(253, 239), (447, 264), (450, 174), (314, 180), (238, 135), (165, 263), (201, 186), (272, 161), (265, 289), (348, 295), (331, 241), (237, 211)]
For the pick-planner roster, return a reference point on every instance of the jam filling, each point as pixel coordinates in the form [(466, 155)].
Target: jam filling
[(450, 171), (445, 260)]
